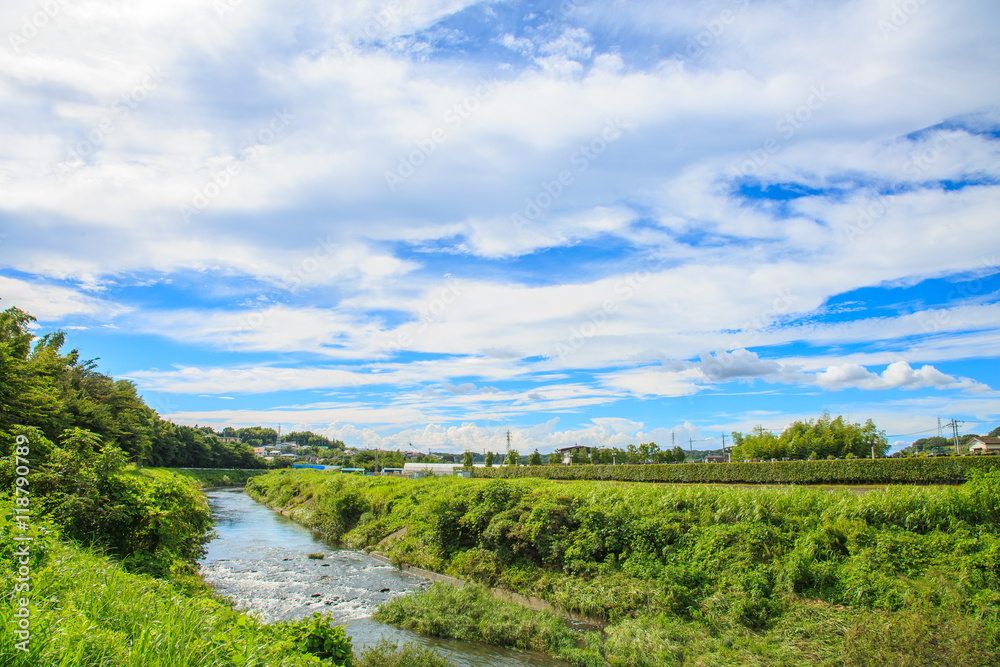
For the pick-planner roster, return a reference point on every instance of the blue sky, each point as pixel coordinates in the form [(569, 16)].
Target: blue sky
[(432, 222)]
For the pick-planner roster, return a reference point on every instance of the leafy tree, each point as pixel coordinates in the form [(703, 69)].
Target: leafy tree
[(535, 459), (648, 452), (467, 460), (824, 438), (489, 459), (513, 458), (555, 459), (679, 455)]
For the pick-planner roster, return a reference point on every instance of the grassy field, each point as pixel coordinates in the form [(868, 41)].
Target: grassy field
[(694, 574)]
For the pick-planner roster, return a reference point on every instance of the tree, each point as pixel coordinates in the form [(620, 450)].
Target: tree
[(513, 458), (555, 459), (467, 459), (489, 459), (648, 451), (535, 459), (679, 455)]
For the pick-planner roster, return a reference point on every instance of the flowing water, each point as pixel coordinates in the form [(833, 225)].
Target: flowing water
[(260, 560)]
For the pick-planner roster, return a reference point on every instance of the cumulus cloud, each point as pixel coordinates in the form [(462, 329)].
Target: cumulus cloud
[(736, 364), (897, 375)]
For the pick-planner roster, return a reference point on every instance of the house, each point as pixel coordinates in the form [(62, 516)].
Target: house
[(228, 440), (985, 445), (569, 452), (259, 451)]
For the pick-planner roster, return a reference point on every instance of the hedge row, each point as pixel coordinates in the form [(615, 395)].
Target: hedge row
[(945, 470)]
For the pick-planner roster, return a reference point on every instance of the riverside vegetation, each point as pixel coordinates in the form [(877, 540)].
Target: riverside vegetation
[(683, 575), (111, 577)]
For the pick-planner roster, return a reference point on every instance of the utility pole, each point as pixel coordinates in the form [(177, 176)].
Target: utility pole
[(954, 430), (508, 442), (724, 451)]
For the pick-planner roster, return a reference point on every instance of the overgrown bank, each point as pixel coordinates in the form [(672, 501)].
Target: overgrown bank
[(697, 575), (97, 569), (86, 610)]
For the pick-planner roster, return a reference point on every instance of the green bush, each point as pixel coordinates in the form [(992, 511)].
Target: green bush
[(943, 470)]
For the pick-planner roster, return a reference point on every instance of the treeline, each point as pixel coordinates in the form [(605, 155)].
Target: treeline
[(647, 452), (820, 439), (42, 386)]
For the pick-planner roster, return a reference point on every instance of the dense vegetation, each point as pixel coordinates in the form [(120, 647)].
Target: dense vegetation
[(697, 574), (819, 439), (944, 470)]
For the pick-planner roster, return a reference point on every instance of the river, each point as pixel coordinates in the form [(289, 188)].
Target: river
[(260, 560)]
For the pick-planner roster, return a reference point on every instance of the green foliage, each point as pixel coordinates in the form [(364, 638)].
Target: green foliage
[(318, 636), (467, 459), (489, 459), (690, 574), (513, 458), (155, 524), (471, 613), (41, 387), (818, 439), (943, 470), (535, 459), (388, 654)]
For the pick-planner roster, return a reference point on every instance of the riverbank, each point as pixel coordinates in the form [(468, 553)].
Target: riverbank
[(85, 610), (697, 575)]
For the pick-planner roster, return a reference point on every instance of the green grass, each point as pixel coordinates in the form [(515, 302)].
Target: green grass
[(760, 575), (471, 613)]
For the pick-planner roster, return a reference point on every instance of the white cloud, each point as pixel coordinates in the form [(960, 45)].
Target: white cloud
[(897, 375)]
